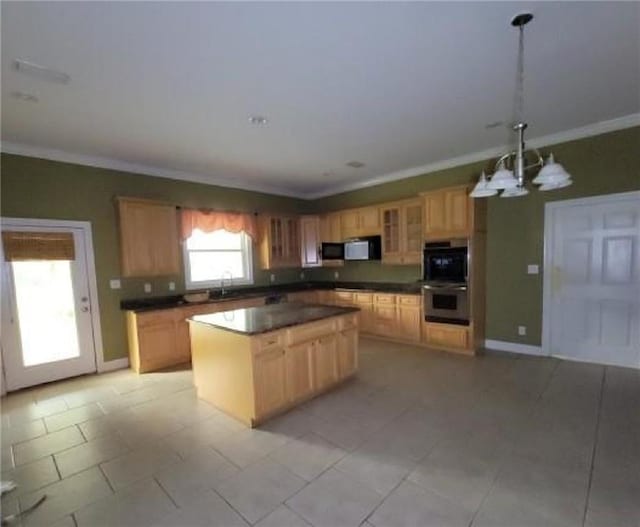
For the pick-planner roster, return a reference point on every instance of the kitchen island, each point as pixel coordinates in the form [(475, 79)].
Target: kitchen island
[(257, 362)]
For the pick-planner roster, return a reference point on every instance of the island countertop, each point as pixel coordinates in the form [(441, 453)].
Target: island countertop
[(256, 320)]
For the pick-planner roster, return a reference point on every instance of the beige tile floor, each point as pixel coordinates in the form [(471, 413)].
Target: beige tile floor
[(418, 439)]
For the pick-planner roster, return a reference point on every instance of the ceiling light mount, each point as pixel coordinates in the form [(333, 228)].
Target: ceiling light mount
[(355, 164), (41, 72), (258, 120), (511, 168)]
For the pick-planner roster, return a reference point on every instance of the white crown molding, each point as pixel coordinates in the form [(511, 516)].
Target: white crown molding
[(514, 347), (52, 154), (602, 127)]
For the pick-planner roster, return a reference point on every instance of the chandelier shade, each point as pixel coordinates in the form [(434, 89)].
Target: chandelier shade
[(502, 179), (552, 173), (516, 192), (481, 190)]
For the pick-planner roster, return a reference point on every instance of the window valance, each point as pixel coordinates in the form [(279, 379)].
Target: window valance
[(28, 245), (211, 220)]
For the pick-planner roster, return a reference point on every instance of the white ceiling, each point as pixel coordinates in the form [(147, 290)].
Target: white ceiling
[(167, 88)]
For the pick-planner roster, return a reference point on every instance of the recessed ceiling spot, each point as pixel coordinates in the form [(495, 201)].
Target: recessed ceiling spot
[(355, 164), (41, 72), (21, 96), (258, 120)]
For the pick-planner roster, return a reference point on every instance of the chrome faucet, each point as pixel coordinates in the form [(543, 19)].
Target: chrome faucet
[(230, 276)]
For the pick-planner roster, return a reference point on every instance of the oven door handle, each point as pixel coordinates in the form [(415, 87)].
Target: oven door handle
[(446, 287)]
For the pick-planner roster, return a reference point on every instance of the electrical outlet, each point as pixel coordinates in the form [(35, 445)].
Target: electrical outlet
[(272, 278), (147, 287), (115, 283), (533, 269), (172, 286), (522, 330), (336, 275), (302, 275)]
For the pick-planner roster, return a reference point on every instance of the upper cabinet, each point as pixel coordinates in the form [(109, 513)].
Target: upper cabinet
[(310, 241), (355, 223), (402, 233), (149, 243), (448, 213), (279, 244), (330, 228)]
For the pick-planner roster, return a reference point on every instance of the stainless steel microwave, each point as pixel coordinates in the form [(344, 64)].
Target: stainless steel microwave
[(367, 248)]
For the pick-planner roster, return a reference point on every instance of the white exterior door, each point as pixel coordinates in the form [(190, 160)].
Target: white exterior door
[(592, 279), (47, 326)]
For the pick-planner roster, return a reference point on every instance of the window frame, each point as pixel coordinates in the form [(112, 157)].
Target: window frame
[(247, 262)]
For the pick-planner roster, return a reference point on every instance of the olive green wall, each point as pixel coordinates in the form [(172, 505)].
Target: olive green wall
[(36, 188), (603, 164)]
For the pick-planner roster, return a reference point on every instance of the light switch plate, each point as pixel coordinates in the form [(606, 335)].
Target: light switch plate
[(147, 287), (172, 286), (272, 278), (302, 275), (522, 330), (533, 269), (336, 275), (115, 283)]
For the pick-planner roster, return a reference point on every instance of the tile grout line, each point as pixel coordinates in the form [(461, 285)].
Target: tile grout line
[(166, 492), (595, 444)]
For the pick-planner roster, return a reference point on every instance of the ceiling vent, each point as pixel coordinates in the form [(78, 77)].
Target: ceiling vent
[(41, 72)]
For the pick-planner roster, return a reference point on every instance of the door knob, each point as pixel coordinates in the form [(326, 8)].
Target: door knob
[(84, 309)]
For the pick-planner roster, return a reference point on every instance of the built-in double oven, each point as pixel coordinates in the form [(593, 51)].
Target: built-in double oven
[(445, 282)]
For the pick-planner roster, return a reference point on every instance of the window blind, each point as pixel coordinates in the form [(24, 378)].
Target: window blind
[(22, 245)]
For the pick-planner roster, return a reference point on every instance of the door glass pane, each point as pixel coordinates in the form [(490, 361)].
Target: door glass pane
[(46, 311)]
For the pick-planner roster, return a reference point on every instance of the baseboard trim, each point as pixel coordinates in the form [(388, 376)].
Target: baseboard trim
[(514, 347), (112, 365)]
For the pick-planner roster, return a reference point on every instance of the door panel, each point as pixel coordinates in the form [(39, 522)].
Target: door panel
[(47, 325), (593, 297)]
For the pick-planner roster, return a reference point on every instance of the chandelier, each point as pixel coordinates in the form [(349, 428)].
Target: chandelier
[(509, 176)]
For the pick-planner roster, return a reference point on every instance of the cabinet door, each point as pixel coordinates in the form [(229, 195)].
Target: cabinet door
[(349, 223), (299, 381), (448, 336), (292, 242), (157, 345), (325, 362), (347, 353), (276, 242), (368, 221), (385, 320), (330, 228), (269, 375), (409, 323), (435, 217), (412, 232), (457, 210), (163, 234), (391, 234), (310, 241)]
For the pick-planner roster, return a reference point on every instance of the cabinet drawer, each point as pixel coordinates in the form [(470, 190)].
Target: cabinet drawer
[(363, 298), (311, 331), (409, 300), (381, 298), (270, 340), (448, 336), (349, 322), (344, 296), (152, 318)]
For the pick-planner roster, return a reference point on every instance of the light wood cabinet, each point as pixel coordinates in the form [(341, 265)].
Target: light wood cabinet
[(325, 362), (279, 243), (347, 352), (330, 228), (409, 322), (270, 371), (447, 336), (310, 241), (360, 222), (448, 213), (149, 244), (402, 233), (299, 371)]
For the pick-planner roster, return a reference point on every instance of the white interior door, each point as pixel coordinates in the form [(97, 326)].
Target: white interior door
[(47, 329), (592, 279)]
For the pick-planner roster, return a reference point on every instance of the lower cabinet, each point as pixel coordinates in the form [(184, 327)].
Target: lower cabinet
[(447, 336), (347, 352), (325, 362), (299, 380), (270, 373)]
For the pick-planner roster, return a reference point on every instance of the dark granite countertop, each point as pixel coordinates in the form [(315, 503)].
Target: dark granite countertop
[(169, 302), (256, 320)]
